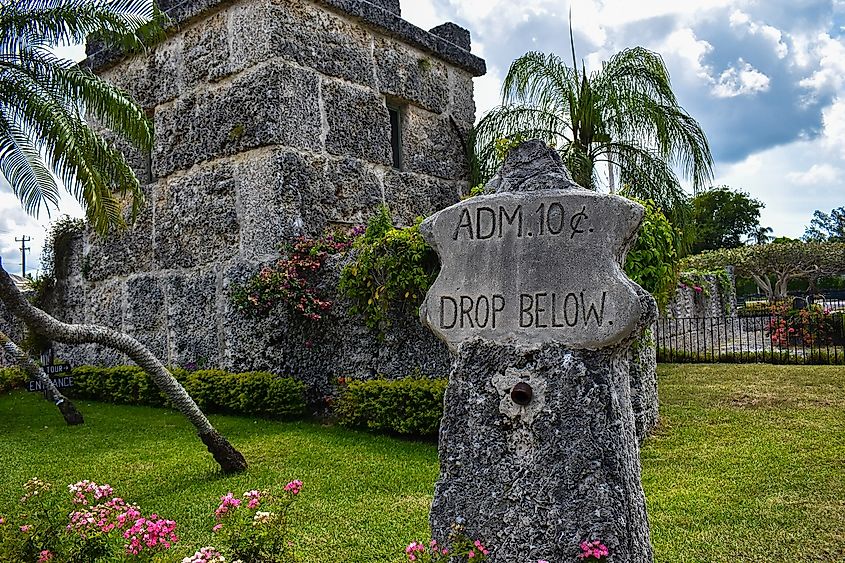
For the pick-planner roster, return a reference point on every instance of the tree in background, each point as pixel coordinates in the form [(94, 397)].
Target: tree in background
[(623, 117), (773, 266), (723, 218), (761, 235), (827, 227), (44, 136)]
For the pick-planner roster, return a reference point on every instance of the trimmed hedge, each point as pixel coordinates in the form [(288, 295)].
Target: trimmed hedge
[(410, 407), (12, 378), (255, 393), (822, 357)]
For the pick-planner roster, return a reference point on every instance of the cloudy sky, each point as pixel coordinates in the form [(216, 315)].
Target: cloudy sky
[(766, 79)]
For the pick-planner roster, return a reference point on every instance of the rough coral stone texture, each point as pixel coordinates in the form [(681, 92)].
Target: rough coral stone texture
[(644, 400), (311, 36), (122, 252), (358, 122), (411, 75), (283, 109), (206, 50), (145, 313), (413, 195), (533, 482), (433, 145), (192, 301), (462, 101), (196, 219)]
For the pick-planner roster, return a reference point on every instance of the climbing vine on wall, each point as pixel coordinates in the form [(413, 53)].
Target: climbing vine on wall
[(292, 280), (697, 280), (392, 266)]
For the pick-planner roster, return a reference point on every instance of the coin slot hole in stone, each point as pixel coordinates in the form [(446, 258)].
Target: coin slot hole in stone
[(521, 393)]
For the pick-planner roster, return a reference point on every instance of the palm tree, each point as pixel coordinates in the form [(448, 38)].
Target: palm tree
[(624, 116), (760, 235), (45, 140)]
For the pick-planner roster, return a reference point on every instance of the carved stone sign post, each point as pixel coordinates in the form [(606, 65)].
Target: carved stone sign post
[(537, 446)]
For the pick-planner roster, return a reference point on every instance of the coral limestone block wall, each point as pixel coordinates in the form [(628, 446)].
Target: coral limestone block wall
[(273, 120)]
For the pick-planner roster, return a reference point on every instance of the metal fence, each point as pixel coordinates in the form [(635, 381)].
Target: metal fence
[(798, 338)]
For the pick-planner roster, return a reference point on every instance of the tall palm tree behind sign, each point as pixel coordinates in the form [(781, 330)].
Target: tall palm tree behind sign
[(624, 115)]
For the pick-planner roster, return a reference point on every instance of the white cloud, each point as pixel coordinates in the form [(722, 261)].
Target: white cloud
[(830, 73), (815, 175), (743, 21), (740, 80), (833, 126), (683, 46)]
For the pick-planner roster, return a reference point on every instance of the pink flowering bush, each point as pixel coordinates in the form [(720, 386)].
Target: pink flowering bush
[(86, 526), (252, 528), (593, 550), (459, 545)]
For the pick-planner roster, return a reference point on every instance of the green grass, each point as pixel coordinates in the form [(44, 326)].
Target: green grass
[(748, 465)]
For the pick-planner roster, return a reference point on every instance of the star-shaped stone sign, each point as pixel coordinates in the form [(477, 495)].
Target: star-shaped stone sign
[(530, 267)]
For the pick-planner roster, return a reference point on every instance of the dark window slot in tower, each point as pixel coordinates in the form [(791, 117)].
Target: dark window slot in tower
[(396, 135)]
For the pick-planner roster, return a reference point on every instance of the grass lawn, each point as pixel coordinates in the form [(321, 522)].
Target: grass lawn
[(748, 465)]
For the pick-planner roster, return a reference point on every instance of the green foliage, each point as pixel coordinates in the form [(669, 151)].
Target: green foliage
[(815, 357), (12, 378), (652, 262), (827, 227), (292, 280), (624, 113), (410, 406), (57, 247), (697, 279), (44, 134), (723, 218), (254, 393), (392, 266), (782, 262)]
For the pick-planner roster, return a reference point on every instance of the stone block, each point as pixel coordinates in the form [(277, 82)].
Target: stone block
[(454, 34), (192, 305), (358, 122), (411, 75), (408, 349), (311, 36), (122, 252), (410, 195), (270, 104), (461, 98), (433, 145), (150, 78), (145, 314), (206, 50), (283, 194), (196, 217)]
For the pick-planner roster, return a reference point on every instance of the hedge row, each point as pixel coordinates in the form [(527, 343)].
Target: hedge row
[(823, 357), (252, 393), (411, 407), (11, 378)]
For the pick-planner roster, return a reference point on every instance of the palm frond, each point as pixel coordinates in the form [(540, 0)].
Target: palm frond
[(128, 24), (525, 122), (22, 167)]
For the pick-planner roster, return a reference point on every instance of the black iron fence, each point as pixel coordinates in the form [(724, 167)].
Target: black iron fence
[(801, 337)]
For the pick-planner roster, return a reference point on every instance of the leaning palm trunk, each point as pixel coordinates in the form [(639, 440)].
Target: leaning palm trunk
[(71, 415), (230, 459)]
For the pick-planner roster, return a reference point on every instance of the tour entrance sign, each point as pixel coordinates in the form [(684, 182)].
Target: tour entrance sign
[(538, 451)]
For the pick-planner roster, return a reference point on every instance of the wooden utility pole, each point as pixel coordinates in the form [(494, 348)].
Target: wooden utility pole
[(23, 240)]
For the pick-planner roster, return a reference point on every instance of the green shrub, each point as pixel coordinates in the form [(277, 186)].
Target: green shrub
[(821, 357), (411, 406), (12, 378), (393, 266), (252, 393)]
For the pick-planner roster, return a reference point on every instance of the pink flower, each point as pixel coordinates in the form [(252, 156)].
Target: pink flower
[(25, 528), (294, 487), (45, 556), (216, 528)]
